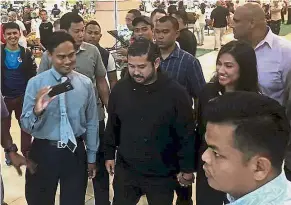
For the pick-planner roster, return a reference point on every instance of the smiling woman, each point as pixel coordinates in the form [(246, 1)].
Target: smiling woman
[(236, 70)]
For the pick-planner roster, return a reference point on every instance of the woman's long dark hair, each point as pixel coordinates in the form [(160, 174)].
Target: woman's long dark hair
[(245, 57), (202, 8)]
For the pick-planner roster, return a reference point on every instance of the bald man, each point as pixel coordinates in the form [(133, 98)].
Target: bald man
[(12, 15), (273, 52)]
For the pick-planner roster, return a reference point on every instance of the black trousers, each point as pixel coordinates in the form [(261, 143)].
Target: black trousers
[(287, 173), (184, 195), (56, 165), (129, 187), (101, 181), (275, 26)]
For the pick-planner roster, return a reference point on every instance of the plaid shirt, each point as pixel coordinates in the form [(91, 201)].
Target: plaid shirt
[(186, 69)]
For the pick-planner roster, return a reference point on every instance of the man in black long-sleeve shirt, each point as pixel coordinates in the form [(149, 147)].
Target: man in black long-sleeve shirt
[(151, 126), (186, 39)]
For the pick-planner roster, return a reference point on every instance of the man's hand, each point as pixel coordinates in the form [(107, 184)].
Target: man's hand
[(92, 170), (42, 100), (185, 179), (110, 166), (122, 51), (17, 161)]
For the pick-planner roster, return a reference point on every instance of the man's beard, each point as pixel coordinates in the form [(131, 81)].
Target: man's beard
[(148, 79)]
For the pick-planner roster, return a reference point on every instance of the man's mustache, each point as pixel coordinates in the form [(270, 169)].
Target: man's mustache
[(137, 76)]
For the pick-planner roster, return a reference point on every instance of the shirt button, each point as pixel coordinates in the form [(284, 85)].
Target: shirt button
[(145, 140), (141, 119)]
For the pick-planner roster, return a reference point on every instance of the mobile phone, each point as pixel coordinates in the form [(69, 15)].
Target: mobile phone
[(61, 88)]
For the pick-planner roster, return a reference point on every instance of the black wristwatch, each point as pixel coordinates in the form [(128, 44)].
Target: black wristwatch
[(12, 148)]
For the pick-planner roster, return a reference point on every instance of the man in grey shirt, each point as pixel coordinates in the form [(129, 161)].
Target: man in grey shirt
[(89, 61)]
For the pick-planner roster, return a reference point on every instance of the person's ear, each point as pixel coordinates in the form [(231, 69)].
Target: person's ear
[(177, 34), (100, 35), (49, 55), (157, 63), (261, 167)]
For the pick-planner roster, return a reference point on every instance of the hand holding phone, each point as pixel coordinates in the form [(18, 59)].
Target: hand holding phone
[(41, 101)]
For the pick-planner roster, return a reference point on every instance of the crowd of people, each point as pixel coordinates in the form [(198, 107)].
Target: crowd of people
[(164, 123)]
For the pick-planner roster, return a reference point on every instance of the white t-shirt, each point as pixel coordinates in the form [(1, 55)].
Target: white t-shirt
[(202, 17), (111, 63), (276, 16), (22, 39)]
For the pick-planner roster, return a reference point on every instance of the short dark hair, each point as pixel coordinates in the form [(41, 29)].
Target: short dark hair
[(245, 56), (69, 18), (57, 38), (173, 21), (261, 125), (10, 25), (182, 15), (142, 46), (154, 12), (93, 23), (135, 12), (43, 10), (172, 9)]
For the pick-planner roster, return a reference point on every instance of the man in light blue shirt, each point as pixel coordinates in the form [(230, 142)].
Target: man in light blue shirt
[(60, 124), (247, 136)]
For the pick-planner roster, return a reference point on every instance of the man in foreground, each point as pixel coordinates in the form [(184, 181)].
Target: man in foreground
[(247, 135), (61, 125), (151, 129)]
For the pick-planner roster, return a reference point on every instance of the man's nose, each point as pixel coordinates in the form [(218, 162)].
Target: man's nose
[(206, 156)]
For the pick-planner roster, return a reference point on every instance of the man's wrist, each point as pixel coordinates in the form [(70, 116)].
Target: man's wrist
[(11, 148)]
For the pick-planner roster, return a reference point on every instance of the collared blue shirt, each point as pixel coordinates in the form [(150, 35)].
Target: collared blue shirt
[(81, 110), (275, 192), (186, 69)]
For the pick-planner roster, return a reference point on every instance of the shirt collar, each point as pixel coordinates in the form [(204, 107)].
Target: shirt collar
[(174, 54), (82, 47), (275, 190), (56, 74), (269, 39)]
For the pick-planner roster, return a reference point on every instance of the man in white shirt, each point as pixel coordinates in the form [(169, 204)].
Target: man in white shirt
[(272, 51), (12, 15), (247, 136)]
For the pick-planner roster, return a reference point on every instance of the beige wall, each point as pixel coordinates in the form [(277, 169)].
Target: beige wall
[(105, 17)]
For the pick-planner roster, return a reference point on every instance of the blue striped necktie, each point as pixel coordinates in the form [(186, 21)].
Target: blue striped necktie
[(67, 135)]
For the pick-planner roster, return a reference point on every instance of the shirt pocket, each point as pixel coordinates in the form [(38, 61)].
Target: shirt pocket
[(270, 76)]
